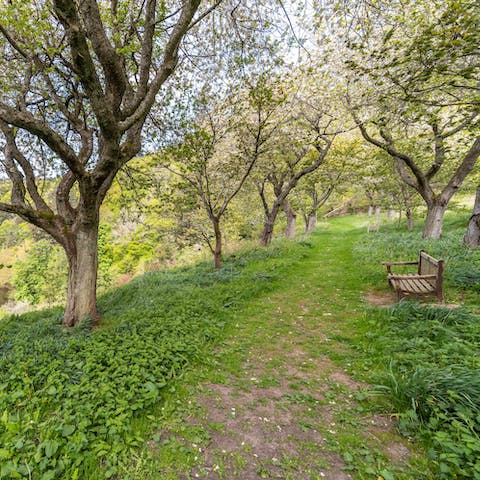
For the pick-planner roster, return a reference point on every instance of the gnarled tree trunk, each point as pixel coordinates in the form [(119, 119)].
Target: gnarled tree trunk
[(267, 232), (291, 220), (82, 254), (434, 220), (268, 226), (310, 222), (472, 236)]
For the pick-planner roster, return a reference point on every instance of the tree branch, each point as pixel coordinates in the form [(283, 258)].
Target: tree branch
[(462, 171), (26, 121), (170, 58)]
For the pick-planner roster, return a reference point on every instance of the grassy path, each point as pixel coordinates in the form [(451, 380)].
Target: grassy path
[(282, 398)]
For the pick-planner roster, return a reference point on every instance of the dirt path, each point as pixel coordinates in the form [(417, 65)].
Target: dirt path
[(279, 406)]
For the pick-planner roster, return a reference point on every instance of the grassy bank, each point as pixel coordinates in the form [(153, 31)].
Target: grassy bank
[(425, 359), (75, 404), (284, 326)]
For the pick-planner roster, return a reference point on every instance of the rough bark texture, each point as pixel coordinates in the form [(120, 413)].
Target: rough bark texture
[(269, 225), (217, 252), (472, 236), (291, 220), (87, 90), (311, 222), (434, 221), (409, 216), (82, 276)]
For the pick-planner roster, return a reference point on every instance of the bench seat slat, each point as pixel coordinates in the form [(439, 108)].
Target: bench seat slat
[(412, 284)]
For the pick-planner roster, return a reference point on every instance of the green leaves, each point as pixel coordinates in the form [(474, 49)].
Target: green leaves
[(71, 401)]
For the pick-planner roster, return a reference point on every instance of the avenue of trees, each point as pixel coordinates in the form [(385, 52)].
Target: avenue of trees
[(232, 117)]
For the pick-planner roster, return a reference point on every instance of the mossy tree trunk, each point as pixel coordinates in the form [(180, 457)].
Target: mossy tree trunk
[(472, 236)]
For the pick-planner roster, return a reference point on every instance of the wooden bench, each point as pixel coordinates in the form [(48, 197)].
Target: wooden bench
[(427, 281)]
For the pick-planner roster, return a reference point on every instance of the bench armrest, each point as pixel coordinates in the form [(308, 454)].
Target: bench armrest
[(388, 265), (413, 277), (413, 262)]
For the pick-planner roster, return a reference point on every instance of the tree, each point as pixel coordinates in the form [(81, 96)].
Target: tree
[(78, 82), (293, 160), (472, 236), (422, 179), (305, 128), (209, 160), (419, 63), (314, 190)]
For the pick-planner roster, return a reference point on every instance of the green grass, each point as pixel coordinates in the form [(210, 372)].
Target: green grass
[(113, 402), (76, 404), (425, 359), (462, 273)]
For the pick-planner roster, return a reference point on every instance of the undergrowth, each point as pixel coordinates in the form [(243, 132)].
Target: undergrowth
[(71, 401), (426, 359), (462, 270)]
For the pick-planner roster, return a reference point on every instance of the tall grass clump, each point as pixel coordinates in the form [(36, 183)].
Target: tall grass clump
[(426, 359), (71, 401)]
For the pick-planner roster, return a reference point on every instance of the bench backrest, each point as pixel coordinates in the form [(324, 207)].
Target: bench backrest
[(427, 265)]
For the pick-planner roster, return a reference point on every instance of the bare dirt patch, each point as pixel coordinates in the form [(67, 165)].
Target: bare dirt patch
[(380, 299), (266, 434), (398, 453)]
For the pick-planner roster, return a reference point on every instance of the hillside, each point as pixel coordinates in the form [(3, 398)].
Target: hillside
[(258, 370)]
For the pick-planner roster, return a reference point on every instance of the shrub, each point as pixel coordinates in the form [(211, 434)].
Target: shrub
[(427, 360)]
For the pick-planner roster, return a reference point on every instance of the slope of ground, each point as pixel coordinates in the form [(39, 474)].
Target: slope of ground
[(279, 401), (253, 371)]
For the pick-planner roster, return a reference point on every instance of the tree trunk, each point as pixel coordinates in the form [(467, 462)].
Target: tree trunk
[(291, 220), (434, 221), (370, 210), (311, 221), (409, 216), (268, 226), (217, 252), (267, 232), (82, 276), (472, 236)]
